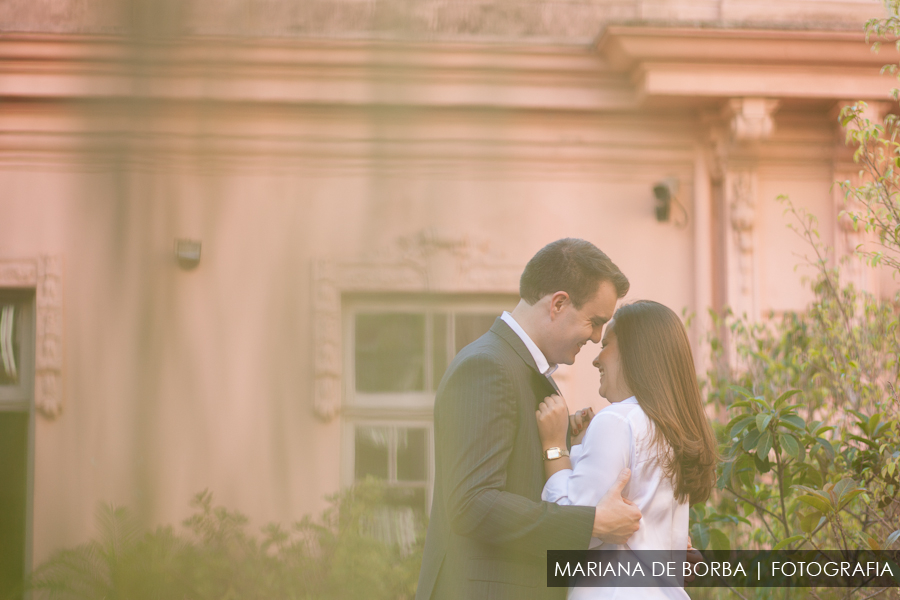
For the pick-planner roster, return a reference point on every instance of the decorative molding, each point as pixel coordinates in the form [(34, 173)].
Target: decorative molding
[(44, 275), (741, 201), (751, 118), (425, 262), (49, 335), (18, 274), (733, 133)]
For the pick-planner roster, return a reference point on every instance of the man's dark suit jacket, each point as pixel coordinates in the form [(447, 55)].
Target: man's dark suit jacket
[(489, 530)]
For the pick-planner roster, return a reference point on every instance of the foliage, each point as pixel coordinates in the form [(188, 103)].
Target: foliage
[(218, 559), (812, 440), (812, 444)]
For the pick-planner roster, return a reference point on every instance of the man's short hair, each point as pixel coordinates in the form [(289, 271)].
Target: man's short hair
[(573, 266)]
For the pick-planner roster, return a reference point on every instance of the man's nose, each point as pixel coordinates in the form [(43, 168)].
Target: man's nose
[(597, 335)]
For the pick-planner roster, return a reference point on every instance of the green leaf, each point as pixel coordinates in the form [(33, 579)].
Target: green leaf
[(842, 486), (788, 541), (700, 536), (741, 424), (750, 440), (764, 445), (809, 522), (718, 540), (794, 422), (763, 466), (743, 469), (790, 445), (785, 396), (761, 402), (742, 391), (762, 421), (816, 501), (891, 539), (826, 446)]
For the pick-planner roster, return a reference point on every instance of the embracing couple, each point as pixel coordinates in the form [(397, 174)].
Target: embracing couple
[(510, 481)]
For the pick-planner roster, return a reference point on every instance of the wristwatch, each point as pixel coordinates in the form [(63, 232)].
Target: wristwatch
[(554, 453)]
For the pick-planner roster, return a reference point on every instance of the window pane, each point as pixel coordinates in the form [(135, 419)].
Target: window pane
[(390, 352), (410, 454), (10, 344), (372, 452), (413, 497), (439, 349), (470, 327)]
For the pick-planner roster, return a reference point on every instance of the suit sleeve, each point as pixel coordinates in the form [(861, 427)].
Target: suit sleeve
[(475, 431)]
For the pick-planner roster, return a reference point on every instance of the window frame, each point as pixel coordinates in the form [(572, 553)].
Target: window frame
[(401, 409), (348, 451), (426, 304)]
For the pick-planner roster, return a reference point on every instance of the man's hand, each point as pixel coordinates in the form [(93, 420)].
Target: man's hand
[(616, 518), (579, 422), (693, 556)]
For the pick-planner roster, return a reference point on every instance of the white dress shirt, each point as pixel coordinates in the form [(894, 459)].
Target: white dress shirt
[(620, 436), (545, 368)]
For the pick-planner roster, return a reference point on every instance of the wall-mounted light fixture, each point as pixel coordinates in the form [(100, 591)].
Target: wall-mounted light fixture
[(187, 253), (666, 194)]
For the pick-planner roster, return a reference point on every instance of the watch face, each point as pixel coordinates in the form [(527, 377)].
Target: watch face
[(553, 453)]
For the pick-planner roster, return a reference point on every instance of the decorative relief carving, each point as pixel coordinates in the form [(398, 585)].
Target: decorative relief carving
[(425, 262), (49, 335), (742, 204), (733, 150), (45, 276), (19, 273), (751, 118)]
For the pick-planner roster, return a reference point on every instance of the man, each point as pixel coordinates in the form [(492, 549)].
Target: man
[(489, 531)]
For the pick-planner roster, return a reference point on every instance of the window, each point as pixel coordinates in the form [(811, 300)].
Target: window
[(399, 354), (396, 351), (16, 435), (16, 371)]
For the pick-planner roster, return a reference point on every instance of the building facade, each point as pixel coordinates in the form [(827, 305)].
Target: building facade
[(366, 181)]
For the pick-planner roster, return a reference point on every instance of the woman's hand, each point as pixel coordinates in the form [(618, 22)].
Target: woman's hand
[(553, 421), (579, 423)]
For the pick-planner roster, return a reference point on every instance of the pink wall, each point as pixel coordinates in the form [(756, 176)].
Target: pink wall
[(175, 381)]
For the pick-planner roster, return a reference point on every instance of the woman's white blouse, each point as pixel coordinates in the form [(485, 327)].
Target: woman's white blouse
[(620, 436)]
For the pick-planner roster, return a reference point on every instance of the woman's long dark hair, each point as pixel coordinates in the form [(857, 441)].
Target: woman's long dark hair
[(658, 366)]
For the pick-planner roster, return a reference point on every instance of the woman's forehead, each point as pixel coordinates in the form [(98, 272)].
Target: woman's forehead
[(608, 332)]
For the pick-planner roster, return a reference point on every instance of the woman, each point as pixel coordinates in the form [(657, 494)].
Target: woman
[(655, 425)]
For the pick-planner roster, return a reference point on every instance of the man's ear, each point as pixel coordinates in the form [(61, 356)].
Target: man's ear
[(558, 302)]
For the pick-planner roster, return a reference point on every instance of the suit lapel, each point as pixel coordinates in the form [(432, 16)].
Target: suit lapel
[(546, 383), (510, 337)]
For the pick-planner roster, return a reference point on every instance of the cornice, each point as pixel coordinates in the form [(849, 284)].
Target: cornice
[(706, 62), (629, 66), (327, 72)]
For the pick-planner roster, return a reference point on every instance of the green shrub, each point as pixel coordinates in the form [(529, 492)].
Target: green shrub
[(216, 558), (811, 399)]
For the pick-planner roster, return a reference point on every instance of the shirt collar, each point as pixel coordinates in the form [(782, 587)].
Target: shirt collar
[(545, 368), (631, 400)]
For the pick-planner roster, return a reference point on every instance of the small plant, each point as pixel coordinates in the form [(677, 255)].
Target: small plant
[(217, 558)]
